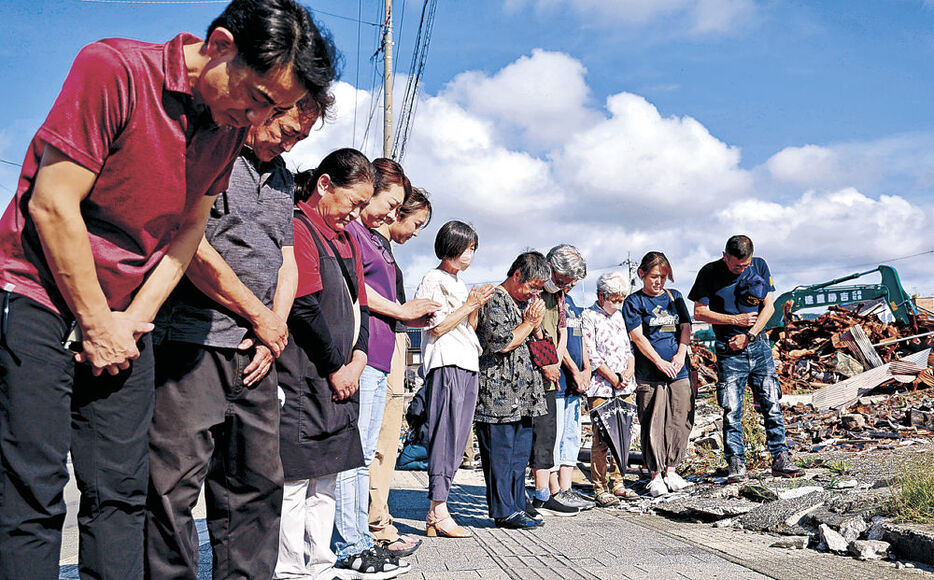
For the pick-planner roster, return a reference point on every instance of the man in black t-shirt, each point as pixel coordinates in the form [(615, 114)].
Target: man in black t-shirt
[(735, 295)]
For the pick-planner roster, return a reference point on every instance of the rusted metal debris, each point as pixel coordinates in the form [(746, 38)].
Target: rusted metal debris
[(813, 354)]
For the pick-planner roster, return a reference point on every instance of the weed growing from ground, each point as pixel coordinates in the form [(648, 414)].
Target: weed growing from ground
[(913, 492), (757, 454)]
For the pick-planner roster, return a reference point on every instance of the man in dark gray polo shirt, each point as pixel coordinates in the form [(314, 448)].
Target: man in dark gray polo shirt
[(216, 418)]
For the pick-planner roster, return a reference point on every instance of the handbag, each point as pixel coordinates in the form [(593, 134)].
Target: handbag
[(543, 350)]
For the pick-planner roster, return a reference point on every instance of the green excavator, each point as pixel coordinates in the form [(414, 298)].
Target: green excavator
[(832, 293)]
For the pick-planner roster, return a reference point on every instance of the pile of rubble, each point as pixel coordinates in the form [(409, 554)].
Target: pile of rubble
[(839, 344)]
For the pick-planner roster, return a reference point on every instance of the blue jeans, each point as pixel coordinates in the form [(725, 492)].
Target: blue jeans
[(753, 365), (351, 516), (568, 441)]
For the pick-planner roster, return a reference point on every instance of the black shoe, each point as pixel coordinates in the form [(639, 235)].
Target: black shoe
[(517, 521), (553, 507), (783, 466), (532, 512), (736, 470)]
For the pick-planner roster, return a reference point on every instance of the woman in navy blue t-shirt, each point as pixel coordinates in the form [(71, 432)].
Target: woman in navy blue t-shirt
[(660, 327)]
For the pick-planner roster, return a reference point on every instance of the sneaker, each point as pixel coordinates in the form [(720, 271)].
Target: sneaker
[(657, 486), (553, 507), (532, 512), (568, 497), (675, 482), (606, 499), (368, 564), (518, 521), (783, 466), (393, 557), (735, 469)]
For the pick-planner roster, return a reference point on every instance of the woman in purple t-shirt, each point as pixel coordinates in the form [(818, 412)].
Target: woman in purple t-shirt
[(379, 271), (351, 521)]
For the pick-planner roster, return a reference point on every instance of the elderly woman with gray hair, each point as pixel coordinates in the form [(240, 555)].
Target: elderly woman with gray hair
[(567, 268), (511, 391), (613, 364)]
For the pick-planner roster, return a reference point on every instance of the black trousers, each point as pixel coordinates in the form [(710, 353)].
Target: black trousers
[(504, 453), (48, 406), (208, 428)]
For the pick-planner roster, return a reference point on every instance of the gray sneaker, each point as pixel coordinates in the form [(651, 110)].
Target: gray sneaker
[(736, 469), (568, 497)]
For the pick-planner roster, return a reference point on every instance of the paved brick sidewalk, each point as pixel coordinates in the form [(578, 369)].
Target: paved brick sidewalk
[(594, 544), (604, 544)]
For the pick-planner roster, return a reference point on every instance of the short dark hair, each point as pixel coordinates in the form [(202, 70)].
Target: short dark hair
[(273, 33), (652, 259), (345, 167), (739, 246), (415, 200), (453, 239), (531, 266)]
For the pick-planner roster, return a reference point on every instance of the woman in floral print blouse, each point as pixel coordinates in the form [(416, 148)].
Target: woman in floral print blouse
[(511, 389), (613, 365)]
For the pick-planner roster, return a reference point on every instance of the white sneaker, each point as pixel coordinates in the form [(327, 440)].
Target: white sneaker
[(675, 482), (657, 486)]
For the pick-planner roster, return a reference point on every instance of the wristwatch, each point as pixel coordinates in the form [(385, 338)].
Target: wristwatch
[(752, 336), (619, 377)]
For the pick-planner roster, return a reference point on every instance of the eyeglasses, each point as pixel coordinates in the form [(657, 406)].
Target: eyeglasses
[(565, 282)]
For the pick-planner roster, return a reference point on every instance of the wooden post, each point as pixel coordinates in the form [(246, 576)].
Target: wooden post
[(387, 83)]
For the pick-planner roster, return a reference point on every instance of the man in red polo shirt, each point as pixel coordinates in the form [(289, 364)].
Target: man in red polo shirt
[(110, 206)]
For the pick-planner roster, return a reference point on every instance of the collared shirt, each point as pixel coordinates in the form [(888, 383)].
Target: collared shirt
[(306, 253), (126, 113), (555, 319), (379, 272), (607, 344), (249, 225)]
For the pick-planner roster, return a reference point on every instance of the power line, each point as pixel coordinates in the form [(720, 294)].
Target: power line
[(356, 82), (183, 2), (10, 163), (419, 58)]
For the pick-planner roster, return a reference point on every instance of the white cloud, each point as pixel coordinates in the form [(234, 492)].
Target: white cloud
[(543, 96), (642, 159), (803, 165), (700, 17)]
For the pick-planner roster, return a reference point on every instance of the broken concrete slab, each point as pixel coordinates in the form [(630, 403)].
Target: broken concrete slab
[(910, 541), (707, 509), (784, 516), (853, 528), (798, 491), (792, 542), (869, 549), (831, 539)]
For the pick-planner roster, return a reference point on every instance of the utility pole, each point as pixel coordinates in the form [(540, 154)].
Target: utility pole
[(387, 82)]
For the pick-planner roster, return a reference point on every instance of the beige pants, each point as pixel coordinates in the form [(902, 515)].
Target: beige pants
[(602, 465), (387, 446)]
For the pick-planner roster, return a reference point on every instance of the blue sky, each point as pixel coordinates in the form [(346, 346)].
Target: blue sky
[(729, 115)]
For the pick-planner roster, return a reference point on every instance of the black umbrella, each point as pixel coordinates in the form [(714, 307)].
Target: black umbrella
[(614, 421)]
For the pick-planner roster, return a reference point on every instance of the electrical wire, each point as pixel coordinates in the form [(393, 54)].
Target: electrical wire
[(356, 83), (193, 2), (11, 163), (417, 67)]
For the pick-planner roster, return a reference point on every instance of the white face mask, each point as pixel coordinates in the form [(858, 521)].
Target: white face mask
[(551, 287)]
